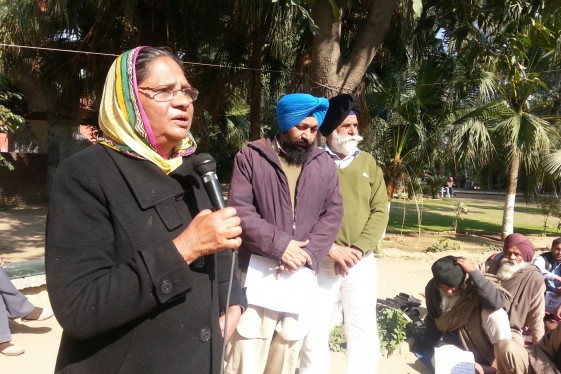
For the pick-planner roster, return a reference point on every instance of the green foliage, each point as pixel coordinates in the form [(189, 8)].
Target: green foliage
[(550, 206), (415, 187), (9, 121), (5, 163), (435, 182), (338, 339), (393, 329), (444, 244), (485, 216), (459, 208)]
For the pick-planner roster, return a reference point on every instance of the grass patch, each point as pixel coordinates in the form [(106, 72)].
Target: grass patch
[(485, 216)]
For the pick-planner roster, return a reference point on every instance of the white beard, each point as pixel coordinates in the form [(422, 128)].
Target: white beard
[(448, 302), (346, 144), (507, 269)]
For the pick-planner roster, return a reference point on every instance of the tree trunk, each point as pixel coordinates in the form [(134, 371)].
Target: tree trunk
[(392, 173), (510, 196), (331, 71)]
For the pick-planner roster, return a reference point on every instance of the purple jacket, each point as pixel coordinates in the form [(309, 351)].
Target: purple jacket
[(259, 192)]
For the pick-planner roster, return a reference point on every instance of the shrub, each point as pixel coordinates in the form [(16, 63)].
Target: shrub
[(435, 182), (459, 208), (393, 329), (444, 245), (338, 339), (550, 206)]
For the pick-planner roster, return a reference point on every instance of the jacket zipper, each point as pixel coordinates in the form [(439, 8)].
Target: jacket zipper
[(274, 162)]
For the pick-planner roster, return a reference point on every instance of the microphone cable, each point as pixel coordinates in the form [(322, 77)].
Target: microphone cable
[(205, 167)]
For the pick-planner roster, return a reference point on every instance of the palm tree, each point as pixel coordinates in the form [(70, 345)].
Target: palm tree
[(407, 100), (502, 110), (407, 108)]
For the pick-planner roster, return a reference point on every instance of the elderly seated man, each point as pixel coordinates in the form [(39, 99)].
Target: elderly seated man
[(543, 357), (469, 314), (524, 282), (549, 264)]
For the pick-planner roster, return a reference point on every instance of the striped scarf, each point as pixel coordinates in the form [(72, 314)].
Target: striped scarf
[(124, 123)]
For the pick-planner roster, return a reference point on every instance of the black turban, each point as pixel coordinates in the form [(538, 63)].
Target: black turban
[(446, 271), (339, 108)]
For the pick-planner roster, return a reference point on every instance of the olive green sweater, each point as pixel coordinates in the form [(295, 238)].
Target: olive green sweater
[(365, 204)]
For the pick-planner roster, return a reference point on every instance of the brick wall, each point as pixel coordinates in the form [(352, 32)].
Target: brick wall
[(3, 142), (26, 184)]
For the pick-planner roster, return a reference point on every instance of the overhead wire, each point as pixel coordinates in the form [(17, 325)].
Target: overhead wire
[(220, 66), (307, 76)]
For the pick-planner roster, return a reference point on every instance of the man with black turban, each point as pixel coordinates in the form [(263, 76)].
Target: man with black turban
[(465, 309), (350, 268), (286, 192)]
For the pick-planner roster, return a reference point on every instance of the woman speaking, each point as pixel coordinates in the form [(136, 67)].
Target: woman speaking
[(137, 263)]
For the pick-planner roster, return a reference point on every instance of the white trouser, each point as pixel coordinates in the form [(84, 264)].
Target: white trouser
[(496, 325), (358, 291), (266, 341), (444, 192)]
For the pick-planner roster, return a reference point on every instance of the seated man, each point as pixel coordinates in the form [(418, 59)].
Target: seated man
[(469, 315), (13, 305), (525, 284), (545, 357), (550, 266), (448, 188)]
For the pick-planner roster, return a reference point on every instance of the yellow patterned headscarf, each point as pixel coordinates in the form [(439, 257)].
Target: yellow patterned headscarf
[(123, 120)]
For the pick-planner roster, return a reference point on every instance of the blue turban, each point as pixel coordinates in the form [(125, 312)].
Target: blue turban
[(293, 108)]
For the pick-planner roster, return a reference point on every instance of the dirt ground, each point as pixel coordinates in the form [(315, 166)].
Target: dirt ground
[(403, 267)]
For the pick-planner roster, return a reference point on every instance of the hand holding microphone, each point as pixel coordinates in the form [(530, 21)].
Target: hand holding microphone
[(209, 232)]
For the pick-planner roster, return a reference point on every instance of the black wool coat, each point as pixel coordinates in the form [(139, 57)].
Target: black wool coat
[(124, 296)]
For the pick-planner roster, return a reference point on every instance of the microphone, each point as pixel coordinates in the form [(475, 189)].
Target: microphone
[(205, 167)]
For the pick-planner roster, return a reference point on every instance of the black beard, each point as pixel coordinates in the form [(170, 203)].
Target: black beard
[(295, 153)]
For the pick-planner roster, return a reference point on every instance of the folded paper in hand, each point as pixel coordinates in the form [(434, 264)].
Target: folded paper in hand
[(552, 302), (292, 292), (450, 359)]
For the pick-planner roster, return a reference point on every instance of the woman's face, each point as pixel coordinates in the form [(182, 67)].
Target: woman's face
[(170, 120)]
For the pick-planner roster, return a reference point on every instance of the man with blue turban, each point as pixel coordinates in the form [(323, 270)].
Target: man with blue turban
[(286, 192)]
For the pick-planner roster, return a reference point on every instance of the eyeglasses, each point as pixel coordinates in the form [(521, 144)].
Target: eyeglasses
[(166, 94)]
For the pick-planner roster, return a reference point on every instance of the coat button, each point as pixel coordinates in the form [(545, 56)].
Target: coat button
[(166, 287), (199, 263), (204, 335)]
